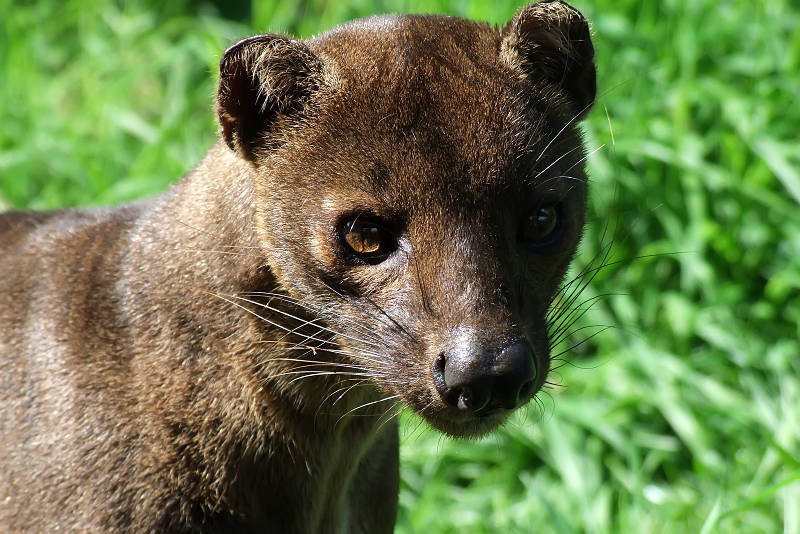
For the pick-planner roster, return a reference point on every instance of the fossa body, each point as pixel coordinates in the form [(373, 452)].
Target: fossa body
[(385, 221)]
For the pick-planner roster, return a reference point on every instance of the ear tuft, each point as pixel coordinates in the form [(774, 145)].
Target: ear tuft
[(263, 79), (550, 40)]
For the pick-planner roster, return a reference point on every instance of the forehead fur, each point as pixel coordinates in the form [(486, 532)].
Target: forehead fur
[(420, 73), (425, 104)]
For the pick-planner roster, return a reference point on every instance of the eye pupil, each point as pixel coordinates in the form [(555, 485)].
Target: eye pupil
[(368, 240), (364, 240), (546, 219), (540, 225), (543, 216)]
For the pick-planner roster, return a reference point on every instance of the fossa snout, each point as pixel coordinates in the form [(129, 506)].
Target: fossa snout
[(479, 380)]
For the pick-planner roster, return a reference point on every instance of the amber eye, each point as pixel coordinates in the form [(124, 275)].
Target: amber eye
[(542, 226), (367, 239)]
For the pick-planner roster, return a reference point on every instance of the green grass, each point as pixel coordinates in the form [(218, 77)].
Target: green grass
[(685, 417)]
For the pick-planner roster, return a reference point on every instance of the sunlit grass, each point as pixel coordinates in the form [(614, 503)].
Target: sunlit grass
[(682, 418)]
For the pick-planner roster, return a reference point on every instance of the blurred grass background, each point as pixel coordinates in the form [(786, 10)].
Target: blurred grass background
[(685, 416)]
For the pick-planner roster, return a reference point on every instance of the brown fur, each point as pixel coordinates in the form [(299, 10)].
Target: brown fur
[(148, 380)]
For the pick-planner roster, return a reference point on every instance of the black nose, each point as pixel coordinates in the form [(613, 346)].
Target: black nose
[(472, 380)]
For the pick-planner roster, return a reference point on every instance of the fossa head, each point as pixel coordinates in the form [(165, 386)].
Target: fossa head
[(420, 189)]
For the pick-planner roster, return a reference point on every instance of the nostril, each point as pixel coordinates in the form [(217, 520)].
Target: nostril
[(515, 370), (465, 400), (438, 374), (438, 363), (473, 398), (462, 378)]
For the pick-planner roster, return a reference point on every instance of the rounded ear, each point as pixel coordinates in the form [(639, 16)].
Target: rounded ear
[(550, 40), (263, 79)]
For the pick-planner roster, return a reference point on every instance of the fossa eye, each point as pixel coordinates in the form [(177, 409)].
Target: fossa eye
[(541, 227), (367, 239)]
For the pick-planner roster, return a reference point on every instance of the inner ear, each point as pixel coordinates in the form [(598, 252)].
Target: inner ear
[(265, 81), (550, 40)]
